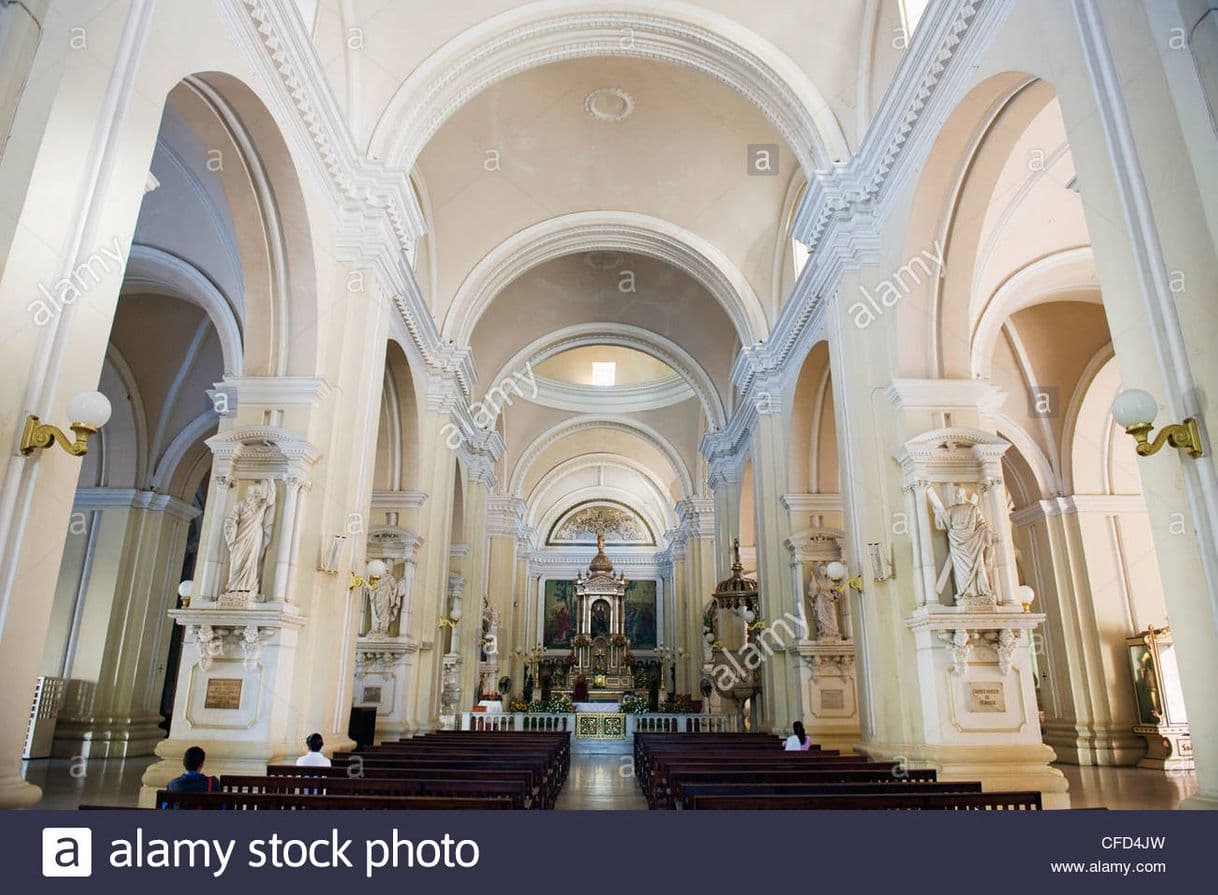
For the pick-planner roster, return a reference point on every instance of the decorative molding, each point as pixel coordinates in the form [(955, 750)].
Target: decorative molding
[(623, 231), (615, 399), (594, 104), (398, 500), (583, 423), (278, 391), (621, 335), (946, 395), (821, 502), (539, 34), (87, 499)]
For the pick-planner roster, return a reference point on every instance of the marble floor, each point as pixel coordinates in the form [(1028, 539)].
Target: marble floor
[(597, 783)]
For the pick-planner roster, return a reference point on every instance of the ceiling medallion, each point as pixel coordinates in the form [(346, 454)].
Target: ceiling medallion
[(608, 104), (603, 260)]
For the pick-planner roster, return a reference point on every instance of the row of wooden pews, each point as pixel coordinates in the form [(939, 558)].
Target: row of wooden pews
[(446, 770), (722, 771)]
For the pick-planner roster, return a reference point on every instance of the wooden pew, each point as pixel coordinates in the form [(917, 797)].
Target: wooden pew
[(516, 791), (687, 791), (978, 801), (535, 796), (246, 801)]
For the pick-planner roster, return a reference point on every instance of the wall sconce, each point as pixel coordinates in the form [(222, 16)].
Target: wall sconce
[(1025, 597), (185, 589), (1136, 410), (88, 411), (372, 575), (837, 574)]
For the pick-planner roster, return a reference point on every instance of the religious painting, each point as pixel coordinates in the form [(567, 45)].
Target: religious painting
[(581, 524), (600, 618), (641, 614), (559, 614)]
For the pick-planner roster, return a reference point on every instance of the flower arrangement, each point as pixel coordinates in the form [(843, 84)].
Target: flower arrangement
[(557, 704), (570, 659), (683, 703), (580, 640), (619, 639), (633, 704), (518, 705)]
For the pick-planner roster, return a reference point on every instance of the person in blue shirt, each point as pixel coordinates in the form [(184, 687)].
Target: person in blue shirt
[(194, 780)]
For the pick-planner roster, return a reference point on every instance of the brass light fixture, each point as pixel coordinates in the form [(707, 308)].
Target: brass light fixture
[(89, 411), (837, 574), (1135, 410), (371, 577)]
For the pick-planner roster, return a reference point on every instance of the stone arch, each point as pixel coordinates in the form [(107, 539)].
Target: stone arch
[(550, 31), (640, 430), (988, 121), (605, 231), (625, 336), (272, 235)]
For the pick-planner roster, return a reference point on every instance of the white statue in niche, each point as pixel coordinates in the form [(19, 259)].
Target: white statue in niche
[(385, 600), (824, 603), (970, 541), (247, 532)]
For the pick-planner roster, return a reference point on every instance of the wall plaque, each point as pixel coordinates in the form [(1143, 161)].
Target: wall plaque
[(372, 695), (832, 699), (223, 693), (986, 697)]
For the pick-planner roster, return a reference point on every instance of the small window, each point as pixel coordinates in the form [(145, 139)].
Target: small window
[(911, 14), (604, 373)]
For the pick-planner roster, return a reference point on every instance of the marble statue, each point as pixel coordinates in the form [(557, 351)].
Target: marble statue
[(824, 604), (386, 601), (247, 532), (970, 540)]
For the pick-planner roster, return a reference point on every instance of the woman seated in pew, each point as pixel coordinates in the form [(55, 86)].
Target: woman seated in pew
[(798, 741)]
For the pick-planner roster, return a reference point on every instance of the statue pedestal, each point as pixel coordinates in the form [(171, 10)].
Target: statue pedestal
[(234, 692), (827, 679), (382, 675), (979, 715)]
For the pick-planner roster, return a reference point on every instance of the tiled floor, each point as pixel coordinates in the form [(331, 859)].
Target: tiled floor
[(69, 784), (1127, 788), (599, 783)]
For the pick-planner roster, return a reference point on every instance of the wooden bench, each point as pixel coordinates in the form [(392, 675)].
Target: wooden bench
[(981, 801), (516, 791), (248, 801), (688, 791)]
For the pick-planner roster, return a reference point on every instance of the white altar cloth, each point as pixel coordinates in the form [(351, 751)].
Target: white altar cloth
[(601, 707)]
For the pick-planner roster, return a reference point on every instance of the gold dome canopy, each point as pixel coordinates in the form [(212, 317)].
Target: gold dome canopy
[(737, 585), (600, 563)]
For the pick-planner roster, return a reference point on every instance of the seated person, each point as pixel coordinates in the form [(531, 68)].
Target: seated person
[(797, 741), (580, 691), (194, 780), (313, 758)]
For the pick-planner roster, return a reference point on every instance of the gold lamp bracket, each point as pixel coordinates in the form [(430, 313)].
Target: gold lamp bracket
[(38, 435), (1185, 436)]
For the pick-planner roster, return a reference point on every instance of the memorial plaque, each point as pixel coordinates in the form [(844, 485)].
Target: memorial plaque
[(832, 699), (986, 697), (372, 695), (223, 693)]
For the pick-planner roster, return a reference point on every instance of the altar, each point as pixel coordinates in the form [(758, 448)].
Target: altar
[(595, 707)]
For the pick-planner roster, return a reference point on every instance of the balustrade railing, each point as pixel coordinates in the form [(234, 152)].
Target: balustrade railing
[(648, 722)]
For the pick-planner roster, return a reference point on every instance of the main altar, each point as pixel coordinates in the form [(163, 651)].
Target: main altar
[(600, 651)]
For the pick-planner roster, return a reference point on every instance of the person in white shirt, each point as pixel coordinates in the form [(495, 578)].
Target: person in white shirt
[(798, 741), (313, 758)]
